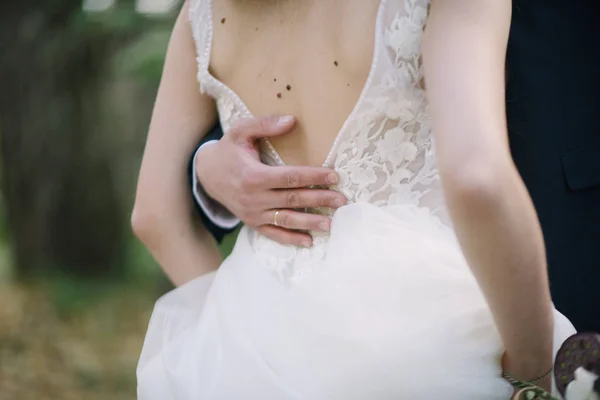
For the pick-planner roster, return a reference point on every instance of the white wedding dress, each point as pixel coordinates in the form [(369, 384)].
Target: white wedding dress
[(384, 307)]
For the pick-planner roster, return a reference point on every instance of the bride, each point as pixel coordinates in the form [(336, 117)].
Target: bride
[(430, 283)]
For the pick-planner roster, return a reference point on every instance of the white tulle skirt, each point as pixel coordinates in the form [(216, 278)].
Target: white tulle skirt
[(392, 311)]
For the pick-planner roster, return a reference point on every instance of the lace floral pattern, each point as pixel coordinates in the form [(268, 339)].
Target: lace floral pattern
[(289, 263), (387, 157), (384, 152)]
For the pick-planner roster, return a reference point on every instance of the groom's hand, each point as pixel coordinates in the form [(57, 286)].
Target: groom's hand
[(231, 172)]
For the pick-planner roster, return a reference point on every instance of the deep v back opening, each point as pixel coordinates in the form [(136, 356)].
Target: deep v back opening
[(342, 132)]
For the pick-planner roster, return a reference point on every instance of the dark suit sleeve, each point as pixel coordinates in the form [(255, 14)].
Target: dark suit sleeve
[(218, 232)]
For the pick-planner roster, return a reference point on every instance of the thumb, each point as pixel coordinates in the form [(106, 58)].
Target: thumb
[(252, 129)]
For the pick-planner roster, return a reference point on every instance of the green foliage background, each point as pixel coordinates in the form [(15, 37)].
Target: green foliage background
[(72, 326)]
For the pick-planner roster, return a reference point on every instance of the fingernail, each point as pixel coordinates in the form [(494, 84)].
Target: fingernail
[(324, 226), (332, 178), (286, 119), (338, 203), (306, 243)]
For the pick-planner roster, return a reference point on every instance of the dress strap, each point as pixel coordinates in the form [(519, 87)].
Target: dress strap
[(200, 18)]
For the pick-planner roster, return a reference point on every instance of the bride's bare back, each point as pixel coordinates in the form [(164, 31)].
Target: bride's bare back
[(306, 58)]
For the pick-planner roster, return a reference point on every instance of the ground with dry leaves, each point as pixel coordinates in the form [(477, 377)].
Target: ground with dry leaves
[(71, 342), (64, 339)]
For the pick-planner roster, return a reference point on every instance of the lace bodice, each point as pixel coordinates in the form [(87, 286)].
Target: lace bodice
[(384, 151)]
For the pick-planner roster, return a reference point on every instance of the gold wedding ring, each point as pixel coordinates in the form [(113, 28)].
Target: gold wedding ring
[(275, 218)]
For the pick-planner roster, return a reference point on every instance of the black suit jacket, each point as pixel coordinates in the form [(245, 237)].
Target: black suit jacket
[(218, 232), (553, 110)]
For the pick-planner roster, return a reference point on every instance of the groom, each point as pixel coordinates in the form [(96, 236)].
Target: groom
[(553, 111)]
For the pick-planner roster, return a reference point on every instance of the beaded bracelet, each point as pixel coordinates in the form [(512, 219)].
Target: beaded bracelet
[(523, 384)]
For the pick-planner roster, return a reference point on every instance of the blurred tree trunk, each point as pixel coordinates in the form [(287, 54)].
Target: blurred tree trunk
[(59, 189)]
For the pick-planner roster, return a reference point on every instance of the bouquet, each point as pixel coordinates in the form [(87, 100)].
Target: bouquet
[(576, 371)]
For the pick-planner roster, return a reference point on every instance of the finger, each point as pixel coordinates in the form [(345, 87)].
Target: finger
[(250, 129), (297, 220), (285, 236), (288, 177), (303, 198)]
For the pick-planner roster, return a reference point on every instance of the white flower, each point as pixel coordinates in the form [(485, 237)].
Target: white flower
[(390, 145), (409, 151), (361, 140), (401, 110), (406, 38), (401, 175), (344, 179), (582, 387), (419, 14), (360, 176)]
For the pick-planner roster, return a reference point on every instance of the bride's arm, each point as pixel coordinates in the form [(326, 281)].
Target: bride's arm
[(464, 55), (163, 216)]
